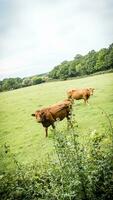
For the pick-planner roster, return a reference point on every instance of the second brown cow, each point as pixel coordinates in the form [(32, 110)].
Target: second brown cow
[(80, 94)]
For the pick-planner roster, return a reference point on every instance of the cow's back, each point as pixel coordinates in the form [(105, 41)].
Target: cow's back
[(78, 94), (60, 111)]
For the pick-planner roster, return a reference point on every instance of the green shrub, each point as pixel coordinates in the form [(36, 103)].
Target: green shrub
[(78, 172)]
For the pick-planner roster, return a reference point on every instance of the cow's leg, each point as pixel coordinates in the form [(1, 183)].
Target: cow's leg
[(85, 100), (46, 130), (53, 126), (69, 123)]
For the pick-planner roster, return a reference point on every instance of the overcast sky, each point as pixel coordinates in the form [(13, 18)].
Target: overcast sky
[(36, 35)]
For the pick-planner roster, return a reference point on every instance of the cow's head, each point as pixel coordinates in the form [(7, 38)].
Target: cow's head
[(91, 90), (39, 116)]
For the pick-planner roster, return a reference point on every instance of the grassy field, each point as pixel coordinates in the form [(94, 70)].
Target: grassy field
[(26, 138)]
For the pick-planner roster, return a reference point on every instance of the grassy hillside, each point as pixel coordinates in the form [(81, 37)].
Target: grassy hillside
[(26, 138)]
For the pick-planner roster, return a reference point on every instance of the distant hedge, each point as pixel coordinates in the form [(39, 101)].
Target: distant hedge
[(14, 83)]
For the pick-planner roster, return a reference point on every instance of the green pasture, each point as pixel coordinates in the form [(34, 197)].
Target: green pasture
[(26, 138)]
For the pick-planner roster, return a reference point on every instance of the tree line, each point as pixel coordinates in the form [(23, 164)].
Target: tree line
[(15, 83), (81, 65), (84, 65)]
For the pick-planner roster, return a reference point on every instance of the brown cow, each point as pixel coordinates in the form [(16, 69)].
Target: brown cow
[(48, 116), (80, 94)]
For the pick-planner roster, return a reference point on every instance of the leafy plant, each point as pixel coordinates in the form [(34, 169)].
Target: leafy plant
[(77, 172)]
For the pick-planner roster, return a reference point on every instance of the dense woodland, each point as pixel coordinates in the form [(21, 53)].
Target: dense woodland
[(81, 65), (84, 65)]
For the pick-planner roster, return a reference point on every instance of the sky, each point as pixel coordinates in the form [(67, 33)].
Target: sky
[(37, 35)]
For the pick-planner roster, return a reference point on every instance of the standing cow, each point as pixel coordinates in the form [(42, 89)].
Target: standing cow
[(80, 94), (48, 116)]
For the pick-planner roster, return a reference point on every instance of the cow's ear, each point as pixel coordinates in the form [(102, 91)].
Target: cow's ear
[(33, 115)]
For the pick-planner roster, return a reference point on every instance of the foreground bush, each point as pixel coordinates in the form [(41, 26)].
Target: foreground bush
[(78, 172)]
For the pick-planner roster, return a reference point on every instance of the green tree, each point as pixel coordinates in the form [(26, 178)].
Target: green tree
[(9, 84), (109, 58), (18, 83), (72, 69), (80, 69), (0, 86), (26, 82), (54, 73), (78, 57), (37, 80), (63, 72), (90, 62), (101, 57)]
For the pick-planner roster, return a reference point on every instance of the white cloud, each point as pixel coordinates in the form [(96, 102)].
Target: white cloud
[(41, 34)]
